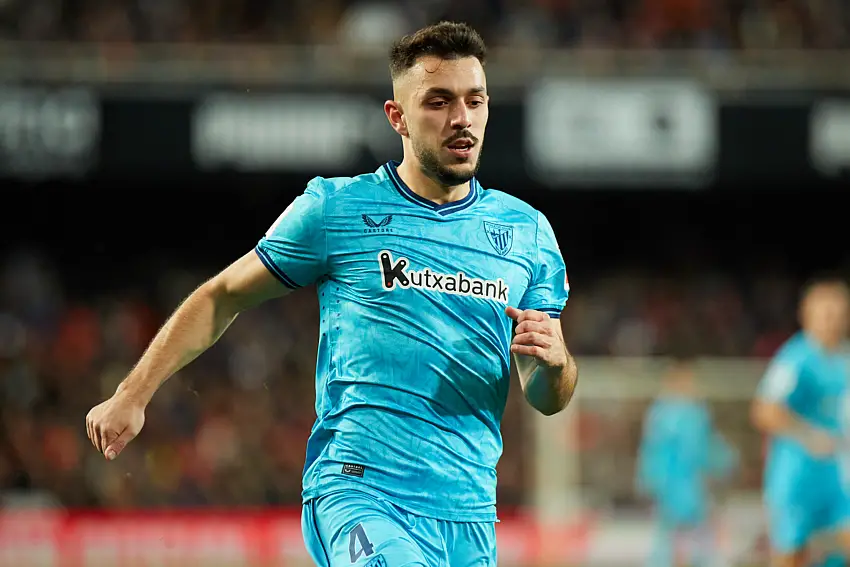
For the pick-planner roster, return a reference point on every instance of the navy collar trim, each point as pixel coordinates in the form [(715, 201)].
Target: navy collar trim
[(443, 209)]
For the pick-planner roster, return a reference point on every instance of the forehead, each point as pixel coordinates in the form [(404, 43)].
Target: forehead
[(828, 293), (457, 75)]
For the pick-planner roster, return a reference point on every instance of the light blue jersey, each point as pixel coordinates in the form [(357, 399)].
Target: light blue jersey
[(804, 492), (413, 365)]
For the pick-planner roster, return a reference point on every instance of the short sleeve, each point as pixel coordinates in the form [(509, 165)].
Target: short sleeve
[(294, 248), (780, 380), (550, 288)]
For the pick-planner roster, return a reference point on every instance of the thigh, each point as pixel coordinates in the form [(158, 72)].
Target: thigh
[(838, 518), (836, 534), (353, 529), (471, 544), (790, 533), (791, 526)]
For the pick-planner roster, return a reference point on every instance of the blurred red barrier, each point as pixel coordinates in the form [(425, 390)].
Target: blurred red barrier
[(262, 538)]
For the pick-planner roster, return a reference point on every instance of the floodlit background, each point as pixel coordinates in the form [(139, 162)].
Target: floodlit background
[(690, 155)]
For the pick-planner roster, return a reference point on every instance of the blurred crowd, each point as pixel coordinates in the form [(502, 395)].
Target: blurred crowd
[(231, 428), (228, 430), (632, 314), (716, 24)]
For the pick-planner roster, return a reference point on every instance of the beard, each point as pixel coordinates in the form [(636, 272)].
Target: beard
[(429, 162)]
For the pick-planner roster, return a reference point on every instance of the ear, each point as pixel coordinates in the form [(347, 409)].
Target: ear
[(395, 115)]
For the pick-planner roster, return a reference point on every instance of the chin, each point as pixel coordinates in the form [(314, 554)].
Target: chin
[(466, 165), (469, 163), (456, 174)]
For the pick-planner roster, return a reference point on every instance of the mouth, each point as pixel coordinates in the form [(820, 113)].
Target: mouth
[(461, 148)]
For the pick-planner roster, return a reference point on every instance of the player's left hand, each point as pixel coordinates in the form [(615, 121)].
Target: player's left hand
[(536, 336)]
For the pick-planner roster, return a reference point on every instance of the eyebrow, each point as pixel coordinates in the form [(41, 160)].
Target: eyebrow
[(442, 91)]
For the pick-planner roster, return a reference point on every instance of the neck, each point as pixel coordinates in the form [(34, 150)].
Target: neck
[(826, 340), (678, 391), (429, 188)]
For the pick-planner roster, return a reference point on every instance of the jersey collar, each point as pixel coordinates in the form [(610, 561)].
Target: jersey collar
[(445, 209)]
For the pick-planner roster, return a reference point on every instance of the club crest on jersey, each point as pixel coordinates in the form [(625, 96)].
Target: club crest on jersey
[(501, 237), (397, 274)]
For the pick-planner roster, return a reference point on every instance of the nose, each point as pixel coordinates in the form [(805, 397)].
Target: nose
[(460, 117)]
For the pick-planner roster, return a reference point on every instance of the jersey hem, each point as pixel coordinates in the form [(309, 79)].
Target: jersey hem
[(421, 511)]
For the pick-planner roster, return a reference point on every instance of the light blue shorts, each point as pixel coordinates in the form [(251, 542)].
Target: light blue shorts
[(354, 529), (794, 518)]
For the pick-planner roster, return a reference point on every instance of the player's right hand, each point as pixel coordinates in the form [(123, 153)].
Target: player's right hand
[(114, 423), (820, 443)]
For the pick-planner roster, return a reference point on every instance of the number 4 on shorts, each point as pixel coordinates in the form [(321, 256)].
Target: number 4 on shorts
[(358, 537)]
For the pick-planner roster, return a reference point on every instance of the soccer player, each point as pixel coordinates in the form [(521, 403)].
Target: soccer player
[(680, 454), (427, 284), (802, 406)]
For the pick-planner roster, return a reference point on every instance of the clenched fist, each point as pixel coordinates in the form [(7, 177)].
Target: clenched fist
[(535, 336), (114, 423)]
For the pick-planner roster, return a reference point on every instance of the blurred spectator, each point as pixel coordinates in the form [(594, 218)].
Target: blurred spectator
[(716, 24), (231, 428)]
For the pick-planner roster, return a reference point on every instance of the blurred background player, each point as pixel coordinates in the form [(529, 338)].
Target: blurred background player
[(801, 405), (681, 452)]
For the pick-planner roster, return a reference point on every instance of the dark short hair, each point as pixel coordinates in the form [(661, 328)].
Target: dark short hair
[(446, 40), (824, 279)]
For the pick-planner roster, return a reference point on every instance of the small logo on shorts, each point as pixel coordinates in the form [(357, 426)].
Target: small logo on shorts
[(378, 561), (353, 470)]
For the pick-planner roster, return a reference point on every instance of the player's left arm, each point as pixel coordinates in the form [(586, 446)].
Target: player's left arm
[(547, 371)]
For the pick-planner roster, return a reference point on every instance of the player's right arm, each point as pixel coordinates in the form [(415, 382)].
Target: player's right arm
[(291, 254), (199, 322), (772, 414)]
